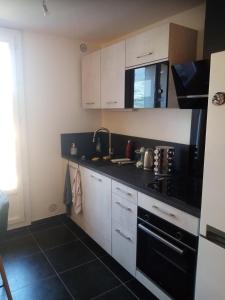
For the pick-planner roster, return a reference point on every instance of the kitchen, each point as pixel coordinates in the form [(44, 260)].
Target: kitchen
[(144, 229)]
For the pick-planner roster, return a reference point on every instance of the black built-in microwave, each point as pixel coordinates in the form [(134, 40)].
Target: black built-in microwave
[(147, 86)]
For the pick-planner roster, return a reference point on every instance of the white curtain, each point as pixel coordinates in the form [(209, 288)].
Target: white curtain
[(8, 164)]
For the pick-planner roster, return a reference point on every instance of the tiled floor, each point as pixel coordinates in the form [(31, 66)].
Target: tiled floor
[(54, 259)]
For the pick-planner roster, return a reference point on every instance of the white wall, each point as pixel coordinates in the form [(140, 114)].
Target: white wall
[(52, 93), (169, 125)]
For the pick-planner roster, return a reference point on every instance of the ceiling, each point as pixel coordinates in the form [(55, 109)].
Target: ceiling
[(93, 20)]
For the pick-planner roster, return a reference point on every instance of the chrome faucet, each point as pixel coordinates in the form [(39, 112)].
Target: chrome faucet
[(103, 129)]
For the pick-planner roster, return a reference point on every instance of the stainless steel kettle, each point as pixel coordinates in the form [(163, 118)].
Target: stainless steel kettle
[(148, 159)]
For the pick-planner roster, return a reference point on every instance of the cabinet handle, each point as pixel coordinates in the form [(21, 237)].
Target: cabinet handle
[(124, 192), (96, 178), (163, 211), (123, 206), (112, 102), (145, 54), (89, 103), (123, 235)]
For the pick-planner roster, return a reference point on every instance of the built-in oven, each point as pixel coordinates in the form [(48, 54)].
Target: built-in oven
[(147, 86), (166, 255)]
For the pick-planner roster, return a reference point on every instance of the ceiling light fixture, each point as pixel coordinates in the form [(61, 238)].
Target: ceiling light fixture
[(45, 8)]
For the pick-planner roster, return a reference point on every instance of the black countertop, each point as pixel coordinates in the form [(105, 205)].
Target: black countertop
[(188, 199)]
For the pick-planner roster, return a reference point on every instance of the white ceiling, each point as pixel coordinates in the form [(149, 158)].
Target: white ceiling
[(95, 20)]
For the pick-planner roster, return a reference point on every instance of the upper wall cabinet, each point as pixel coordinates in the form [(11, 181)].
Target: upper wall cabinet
[(113, 76), (91, 80), (161, 43)]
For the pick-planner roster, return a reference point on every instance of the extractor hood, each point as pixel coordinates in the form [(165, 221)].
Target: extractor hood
[(192, 84)]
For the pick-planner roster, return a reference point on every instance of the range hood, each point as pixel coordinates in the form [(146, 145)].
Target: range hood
[(192, 84)]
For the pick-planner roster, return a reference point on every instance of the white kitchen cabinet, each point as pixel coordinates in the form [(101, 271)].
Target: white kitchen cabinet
[(165, 42), (210, 271), (97, 207), (113, 76), (91, 80), (124, 227)]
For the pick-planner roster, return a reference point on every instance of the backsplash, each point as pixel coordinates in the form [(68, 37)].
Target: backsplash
[(87, 147)]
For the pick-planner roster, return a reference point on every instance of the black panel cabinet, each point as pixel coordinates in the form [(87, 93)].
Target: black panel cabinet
[(214, 40)]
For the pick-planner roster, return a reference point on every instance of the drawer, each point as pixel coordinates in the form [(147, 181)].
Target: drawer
[(124, 248), (169, 213), (124, 212), (124, 191)]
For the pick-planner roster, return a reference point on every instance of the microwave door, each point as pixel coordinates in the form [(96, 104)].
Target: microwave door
[(144, 87)]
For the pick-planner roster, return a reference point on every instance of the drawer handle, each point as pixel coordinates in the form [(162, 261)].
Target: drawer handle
[(112, 102), (145, 54), (96, 178), (124, 192), (123, 235), (123, 206), (163, 211), (89, 103)]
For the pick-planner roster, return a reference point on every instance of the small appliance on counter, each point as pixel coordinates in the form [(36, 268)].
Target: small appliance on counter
[(164, 160), (148, 159)]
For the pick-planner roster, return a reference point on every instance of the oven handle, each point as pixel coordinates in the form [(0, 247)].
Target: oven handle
[(162, 240)]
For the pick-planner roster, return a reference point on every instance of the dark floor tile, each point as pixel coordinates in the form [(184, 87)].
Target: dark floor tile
[(46, 223), (69, 255), (117, 269), (90, 280), (74, 228), (27, 270), (139, 290), (53, 237), (15, 234), (19, 247), (93, 246), (120, 293), (48, 289)]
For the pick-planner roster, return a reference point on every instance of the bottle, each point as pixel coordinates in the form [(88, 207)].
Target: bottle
[(129, 150), (73, 149)]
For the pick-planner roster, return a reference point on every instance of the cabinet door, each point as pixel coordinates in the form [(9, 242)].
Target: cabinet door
[(147, 47), (113, 76), (91, 80), (213, 199), (210, 271), (97, 207)]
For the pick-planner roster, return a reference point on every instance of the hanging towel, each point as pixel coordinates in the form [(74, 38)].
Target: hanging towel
[(77, 192), (4, 209), (67, 191)]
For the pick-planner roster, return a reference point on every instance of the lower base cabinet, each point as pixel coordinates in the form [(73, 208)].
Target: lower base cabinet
[(124, 226), (97, 207)]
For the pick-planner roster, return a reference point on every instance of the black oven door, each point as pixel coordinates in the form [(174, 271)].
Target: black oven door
[(167, 263)]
